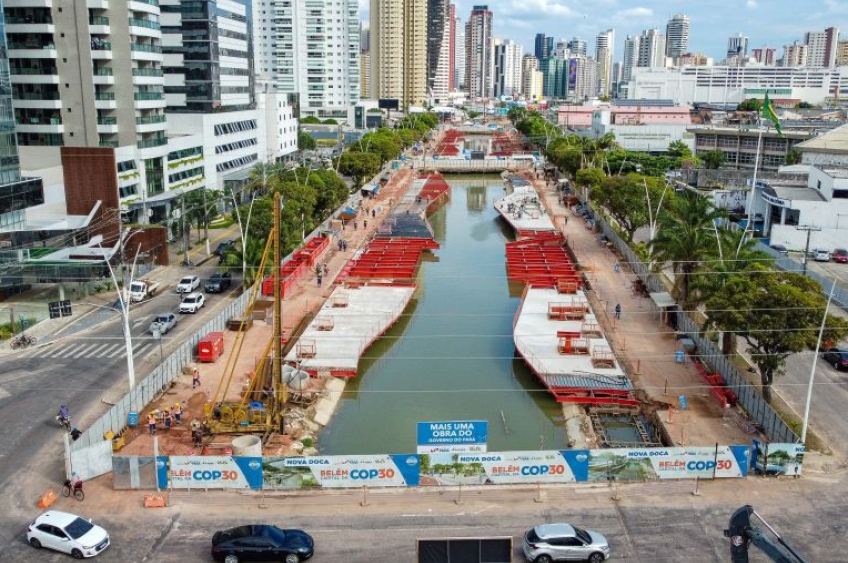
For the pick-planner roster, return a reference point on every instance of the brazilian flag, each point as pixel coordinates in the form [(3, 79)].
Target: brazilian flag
[(768, 113)]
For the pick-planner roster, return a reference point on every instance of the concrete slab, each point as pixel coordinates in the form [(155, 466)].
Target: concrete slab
[(523, 210)]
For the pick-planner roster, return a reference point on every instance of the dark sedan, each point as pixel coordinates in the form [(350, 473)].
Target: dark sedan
[(837, 357), (262, 542)]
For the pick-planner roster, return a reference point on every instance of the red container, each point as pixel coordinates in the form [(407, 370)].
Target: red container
[(210, 347)]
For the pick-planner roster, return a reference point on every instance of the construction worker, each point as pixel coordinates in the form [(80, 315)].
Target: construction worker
[(151, 422), (196, 432), (166, 416), (178, 413)]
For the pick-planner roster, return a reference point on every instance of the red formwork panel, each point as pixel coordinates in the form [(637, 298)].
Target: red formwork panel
[(301, 262), (540, 260), (390, 258)]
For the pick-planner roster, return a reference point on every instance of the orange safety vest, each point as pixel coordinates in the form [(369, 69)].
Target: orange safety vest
[(151, 418), (178, 411)]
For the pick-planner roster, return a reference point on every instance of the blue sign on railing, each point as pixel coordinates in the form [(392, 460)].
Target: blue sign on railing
[(458, 436)]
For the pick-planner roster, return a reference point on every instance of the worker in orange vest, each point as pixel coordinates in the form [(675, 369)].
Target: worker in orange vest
[(151, 422), (178, 412)]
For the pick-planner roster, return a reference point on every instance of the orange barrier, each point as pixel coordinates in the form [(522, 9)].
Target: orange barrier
[(46, 499), (154, 501)]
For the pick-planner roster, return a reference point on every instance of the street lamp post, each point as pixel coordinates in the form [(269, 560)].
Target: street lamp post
[(125, 314), (243, 230)]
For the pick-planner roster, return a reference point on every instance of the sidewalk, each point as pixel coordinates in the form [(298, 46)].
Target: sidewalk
[(645, 346)]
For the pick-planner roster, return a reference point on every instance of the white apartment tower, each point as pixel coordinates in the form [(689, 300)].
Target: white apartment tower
[(823, 46), (604, 44), (631, 54), (479, 68), (737, 46), (459, 62), (796, 55), (677, 36), (508, 68), (651, 51), (310, 48), (399, 50), (531, 77), (577, 46)]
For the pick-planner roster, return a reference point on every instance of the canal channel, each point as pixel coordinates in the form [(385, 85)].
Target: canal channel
[(451, 355)]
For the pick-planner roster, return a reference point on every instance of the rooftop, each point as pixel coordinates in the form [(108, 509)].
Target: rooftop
[(794, 193), (835, 140)]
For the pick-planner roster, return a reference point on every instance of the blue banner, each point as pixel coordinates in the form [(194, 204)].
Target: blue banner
[(458, 436)]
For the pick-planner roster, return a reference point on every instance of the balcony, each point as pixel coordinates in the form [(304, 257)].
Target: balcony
[(148, 72), (30, 25), (101, 50), (151, 143), (148, 77), (34, 75), (103, 75), (149, 96), (28, 4), (105, 100), (109, 144), (146, 52), (107, 125), (41, 125), (151, 124), (99, 25), (146, 6), (33, 50)]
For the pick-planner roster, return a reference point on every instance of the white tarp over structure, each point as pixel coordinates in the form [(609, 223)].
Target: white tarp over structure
[(663, 299)]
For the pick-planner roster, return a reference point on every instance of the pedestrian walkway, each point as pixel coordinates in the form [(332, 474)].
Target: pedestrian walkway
[(87, 349)]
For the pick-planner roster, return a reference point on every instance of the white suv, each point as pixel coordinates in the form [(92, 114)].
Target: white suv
[(192, 303), (188, 284)]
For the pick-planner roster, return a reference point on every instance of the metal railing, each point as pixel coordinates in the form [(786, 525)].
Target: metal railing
[(749, 397)]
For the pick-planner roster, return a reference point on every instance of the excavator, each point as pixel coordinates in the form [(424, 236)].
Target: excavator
[(743, 534)]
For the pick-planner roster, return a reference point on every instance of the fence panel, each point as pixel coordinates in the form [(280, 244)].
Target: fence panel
[(750, 399)]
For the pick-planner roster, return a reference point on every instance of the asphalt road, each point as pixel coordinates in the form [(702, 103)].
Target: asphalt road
[(645, 529)]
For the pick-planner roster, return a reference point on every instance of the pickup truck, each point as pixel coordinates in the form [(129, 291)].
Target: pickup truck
[(163, 322), (141, 290), (218, 282)]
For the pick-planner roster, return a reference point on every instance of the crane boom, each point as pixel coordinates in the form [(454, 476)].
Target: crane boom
[(742, 534)]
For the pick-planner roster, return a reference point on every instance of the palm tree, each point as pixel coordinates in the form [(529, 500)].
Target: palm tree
[(686, 238)]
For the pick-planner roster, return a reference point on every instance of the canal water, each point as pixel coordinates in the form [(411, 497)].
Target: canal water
[(451, 355)]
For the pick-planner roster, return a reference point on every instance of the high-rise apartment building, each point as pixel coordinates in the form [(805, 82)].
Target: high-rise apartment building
[(365, 37), (796, 55), (631, 55), (479, 71), (399, 60), (651, 52), (822, 47), (540, 46), (365, 75), (604, 44), (459, 58), (508, 68), (529, 66), (737, 46), (577, 47), (765, 55), (582, 77), (842, 53), (438, 48), (310, 48), (452, 85), (677, 36)]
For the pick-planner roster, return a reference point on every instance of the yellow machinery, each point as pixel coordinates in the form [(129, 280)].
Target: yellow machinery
[(262, 404)]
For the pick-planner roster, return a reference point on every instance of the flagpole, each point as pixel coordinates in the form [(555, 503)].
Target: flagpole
[(756, 168)]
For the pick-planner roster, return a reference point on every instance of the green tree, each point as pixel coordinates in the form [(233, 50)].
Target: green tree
[(751, 104), (625, 198), (330, 121), (777, 313), (310, 119), (685, 239), (359, 165), (713, 159), (305, 141), (679, 149), (793, 156), (590, 177)]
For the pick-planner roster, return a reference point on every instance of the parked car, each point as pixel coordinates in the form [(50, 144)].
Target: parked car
[(223, 246), (836, 357), (192, 303), (218, 282), (163, 322), (564, 542), (188, 284), (821, 255), (779, 248), (840, 255), (262, 542), (67, 533)]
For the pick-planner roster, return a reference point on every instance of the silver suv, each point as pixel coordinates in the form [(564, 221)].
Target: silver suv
[(564, 542)]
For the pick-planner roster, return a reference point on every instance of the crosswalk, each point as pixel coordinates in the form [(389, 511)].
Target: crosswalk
[(78, 350)]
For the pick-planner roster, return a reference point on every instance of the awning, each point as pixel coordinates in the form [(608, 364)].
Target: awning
[(663, 299)]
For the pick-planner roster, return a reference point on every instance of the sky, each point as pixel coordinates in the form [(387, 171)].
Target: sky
[(771, 23)]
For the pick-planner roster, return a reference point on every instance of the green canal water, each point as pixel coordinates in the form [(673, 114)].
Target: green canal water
[(451, 355)]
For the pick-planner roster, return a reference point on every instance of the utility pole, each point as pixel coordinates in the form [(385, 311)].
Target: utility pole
[(185, 232), (809, 230)]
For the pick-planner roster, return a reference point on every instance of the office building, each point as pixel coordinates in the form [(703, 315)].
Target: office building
[(604, 44), (365, 37), (479, 71), (631, 53), (459, 62), (310, 48), (540, 46), (765, 55), (438, 49), (398, 50), (677, 36), (577, 47), (796, 55), (532, 79), (737, 46), (508, 67), (822, 47)]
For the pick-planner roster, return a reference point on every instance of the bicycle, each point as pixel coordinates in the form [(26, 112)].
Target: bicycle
[(77, 489), (23, 341)]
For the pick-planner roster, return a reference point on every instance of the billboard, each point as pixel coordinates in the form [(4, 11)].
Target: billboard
[(628, 464), (455, 436), (553, 466), (778, 459), (209, 472), (340, 471), (387, 103)]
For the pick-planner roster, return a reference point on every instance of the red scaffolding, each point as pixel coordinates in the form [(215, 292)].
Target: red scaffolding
[(541, 261), (394, 259)]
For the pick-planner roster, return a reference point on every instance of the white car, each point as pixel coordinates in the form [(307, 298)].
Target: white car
[(192, 303), (188, 284), (67, 533), (821, 255)]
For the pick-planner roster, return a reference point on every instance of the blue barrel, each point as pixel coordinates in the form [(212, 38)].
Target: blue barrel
[(680, 356), (132, 419), (683, 403)]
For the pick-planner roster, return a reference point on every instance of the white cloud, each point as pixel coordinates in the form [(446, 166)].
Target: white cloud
[(638, 12), (539, 9), (751, 4)]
